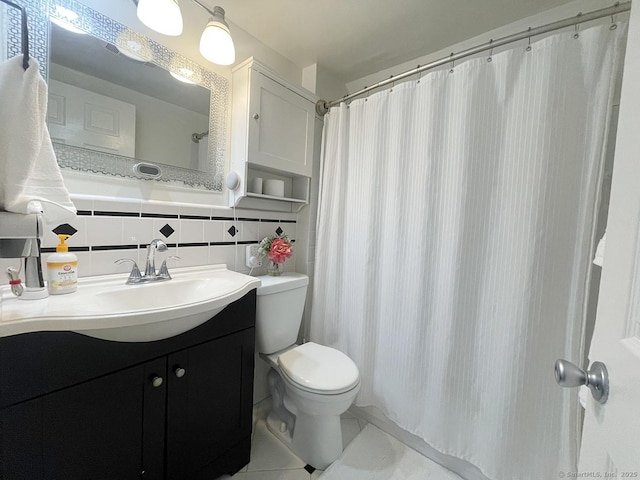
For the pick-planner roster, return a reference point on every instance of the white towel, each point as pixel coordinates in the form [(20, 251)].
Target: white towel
[(30, 179)]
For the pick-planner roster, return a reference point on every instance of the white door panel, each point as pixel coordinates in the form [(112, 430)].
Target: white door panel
[(86, 119), (611, 436)]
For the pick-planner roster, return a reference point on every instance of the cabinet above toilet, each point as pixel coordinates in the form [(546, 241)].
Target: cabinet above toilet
[(273, 127)]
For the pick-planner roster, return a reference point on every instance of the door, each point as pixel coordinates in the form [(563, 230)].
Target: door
[(280, 127), (209, 404), (86, 119), (610, 442), (88, 431)]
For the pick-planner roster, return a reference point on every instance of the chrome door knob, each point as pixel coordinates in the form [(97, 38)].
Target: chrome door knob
[(179, 372), (596, 378), (157, 381)]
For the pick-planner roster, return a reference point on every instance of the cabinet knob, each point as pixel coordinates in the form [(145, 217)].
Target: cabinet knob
[(157, 381), (256, 116), (179, 371)]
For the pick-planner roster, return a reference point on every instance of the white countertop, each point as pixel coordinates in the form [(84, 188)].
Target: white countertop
[(106, 304)]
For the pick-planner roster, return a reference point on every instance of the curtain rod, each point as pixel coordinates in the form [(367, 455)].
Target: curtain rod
[(322, 106)]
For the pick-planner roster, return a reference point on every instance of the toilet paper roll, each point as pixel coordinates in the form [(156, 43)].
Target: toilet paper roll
[(256, 185), (274, 188)]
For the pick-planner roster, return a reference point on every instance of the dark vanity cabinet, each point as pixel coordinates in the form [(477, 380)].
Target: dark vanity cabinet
[(74, 407)]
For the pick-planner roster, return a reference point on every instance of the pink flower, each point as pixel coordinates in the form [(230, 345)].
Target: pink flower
[(280, 250)]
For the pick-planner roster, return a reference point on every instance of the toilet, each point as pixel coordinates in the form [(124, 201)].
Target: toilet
[(311, 385)]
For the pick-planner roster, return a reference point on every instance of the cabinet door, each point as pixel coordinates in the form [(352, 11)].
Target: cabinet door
[(209, 408), (89, 431), (280, 127)]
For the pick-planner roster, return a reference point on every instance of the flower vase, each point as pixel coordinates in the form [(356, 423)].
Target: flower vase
[(275, 269)]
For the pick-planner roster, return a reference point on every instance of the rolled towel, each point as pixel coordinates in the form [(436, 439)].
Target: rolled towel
[(30, 178)]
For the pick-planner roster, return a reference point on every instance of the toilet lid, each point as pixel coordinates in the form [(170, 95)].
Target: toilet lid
[(319, 368)]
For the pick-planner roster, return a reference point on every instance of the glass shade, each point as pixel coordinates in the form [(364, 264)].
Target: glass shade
[(65, 18), (216, 44), (134, 45), (163, 16)]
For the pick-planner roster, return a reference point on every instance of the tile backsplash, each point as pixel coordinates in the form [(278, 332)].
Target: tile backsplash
[(110, 229)]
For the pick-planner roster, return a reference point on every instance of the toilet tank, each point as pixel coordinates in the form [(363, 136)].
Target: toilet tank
[(279, 306)]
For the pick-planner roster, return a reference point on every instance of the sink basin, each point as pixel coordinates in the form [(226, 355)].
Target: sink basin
[(104, 307)]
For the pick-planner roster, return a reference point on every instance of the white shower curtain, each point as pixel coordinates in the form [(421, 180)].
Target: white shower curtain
[(454, 234)]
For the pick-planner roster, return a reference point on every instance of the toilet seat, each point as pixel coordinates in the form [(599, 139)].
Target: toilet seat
[(319, 369)]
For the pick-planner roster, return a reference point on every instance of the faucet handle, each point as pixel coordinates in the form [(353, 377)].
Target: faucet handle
[(135, 276), (164, 270)]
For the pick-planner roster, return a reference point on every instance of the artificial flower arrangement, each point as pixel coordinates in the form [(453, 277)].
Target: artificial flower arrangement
[(277, 248)]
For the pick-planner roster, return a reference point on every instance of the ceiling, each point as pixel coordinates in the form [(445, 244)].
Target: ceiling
[(355, 38)]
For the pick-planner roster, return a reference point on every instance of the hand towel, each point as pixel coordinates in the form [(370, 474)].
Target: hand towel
[(30, 178)]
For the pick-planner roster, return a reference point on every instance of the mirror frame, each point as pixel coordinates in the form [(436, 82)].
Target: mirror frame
[(107, 29)]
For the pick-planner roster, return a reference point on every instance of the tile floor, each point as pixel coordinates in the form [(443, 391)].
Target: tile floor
[(271, 460)]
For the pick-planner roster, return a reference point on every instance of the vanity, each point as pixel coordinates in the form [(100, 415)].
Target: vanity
[(77, 407)]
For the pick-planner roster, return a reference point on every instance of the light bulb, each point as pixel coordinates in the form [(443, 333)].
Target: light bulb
[(163, 16), (216, 44)]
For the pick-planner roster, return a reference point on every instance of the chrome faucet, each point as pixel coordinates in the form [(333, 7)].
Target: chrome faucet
[(156, 244), (20, 238), (150, 274)]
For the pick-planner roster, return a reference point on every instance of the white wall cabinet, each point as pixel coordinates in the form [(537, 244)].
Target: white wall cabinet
[(272, 137)]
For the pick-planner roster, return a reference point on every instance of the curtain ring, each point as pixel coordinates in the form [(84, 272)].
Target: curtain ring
[(453, 63), (577, 27), (393, 84), (614, 25), (419, 74), (528, 49), (366, 99), (489, 59)]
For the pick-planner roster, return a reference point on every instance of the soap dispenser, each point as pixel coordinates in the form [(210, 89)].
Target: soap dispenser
[(62, 269)]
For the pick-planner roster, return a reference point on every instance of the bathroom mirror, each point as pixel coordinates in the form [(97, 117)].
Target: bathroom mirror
[(139, 113)]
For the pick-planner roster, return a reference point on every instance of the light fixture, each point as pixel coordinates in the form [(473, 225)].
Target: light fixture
[(65, 18), (216, 44), (133, 45), (186, 75), (163, 16)]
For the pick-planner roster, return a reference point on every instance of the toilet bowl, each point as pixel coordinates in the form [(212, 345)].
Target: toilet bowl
[(311, 385)]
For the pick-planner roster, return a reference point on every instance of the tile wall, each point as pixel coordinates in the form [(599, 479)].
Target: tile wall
[(108, 229)]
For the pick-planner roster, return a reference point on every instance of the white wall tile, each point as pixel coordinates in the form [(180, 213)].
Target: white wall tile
[(190, 231), (84, 263), (50, 239), (158, 223), (190, 257), (226, 236), (267, 228), (116, 205), (104, 230), (249, 231), (199, 210), (162, 208), (82, 203), (137, 231), (289, 230), (103, 262), (214, 231), (224, 254)]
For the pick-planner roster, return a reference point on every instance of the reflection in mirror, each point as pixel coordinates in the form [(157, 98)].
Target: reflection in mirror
[(113, 102)]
